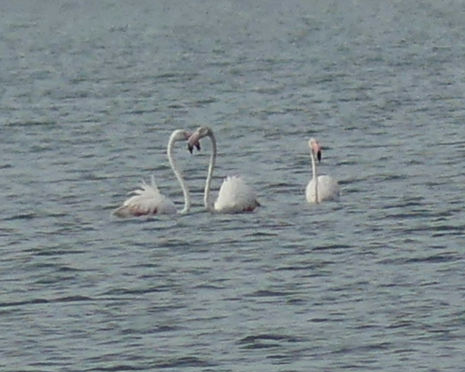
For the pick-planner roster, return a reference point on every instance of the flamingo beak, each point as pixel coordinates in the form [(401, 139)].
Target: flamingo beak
[(316, 149), (192, 142), (191, 147)]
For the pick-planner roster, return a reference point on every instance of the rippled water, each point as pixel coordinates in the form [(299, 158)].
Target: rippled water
[(90, 93)]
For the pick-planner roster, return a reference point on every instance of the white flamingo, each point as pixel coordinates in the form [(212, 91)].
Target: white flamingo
[(234, 195), (327, 187), (147, 199)]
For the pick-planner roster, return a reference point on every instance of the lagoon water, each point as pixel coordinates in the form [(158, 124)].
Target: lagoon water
[(90, 93)]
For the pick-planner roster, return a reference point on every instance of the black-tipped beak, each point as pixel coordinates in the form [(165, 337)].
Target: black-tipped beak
[(193, 141), (191, 147), (318, 155)]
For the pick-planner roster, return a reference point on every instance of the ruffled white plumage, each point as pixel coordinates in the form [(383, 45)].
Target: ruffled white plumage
[(235, 196), (146, 200)]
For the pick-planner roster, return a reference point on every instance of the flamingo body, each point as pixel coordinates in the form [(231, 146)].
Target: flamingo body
[(146, 200), (328, 189), (235, 196)]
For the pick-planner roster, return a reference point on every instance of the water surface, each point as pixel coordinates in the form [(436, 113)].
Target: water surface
[(91, 92)]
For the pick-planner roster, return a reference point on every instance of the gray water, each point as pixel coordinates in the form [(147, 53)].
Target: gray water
[(90, 92)]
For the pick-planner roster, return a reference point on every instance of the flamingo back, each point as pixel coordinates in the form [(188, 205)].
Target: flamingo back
[(236, 196)]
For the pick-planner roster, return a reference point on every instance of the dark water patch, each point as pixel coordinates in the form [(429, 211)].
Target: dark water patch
[(376, 347), (53, 279), (442, 230), (297, 301), (50, 252), (436, 231), (388, 178), (21, 303), (138, 291), (40, 301), (333, 247), (284, 359), (120, 367), (408, 214), (263, 234), (438, 258), (319, 320), (161, 329), (22, 216), (265, 341), (209, 286), (267, 293), (49, 214), (175, 76), (400, 324), (141, 111), (185, 362), (435, 258), (75, 298), (203, 102), (302, 267), (177, 106), (31, 123)]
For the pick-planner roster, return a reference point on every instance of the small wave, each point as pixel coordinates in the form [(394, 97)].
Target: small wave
[(188, 361), (363, 348), (267, 293), (39, 301), (21, 303), (21, 216), (262, 341), (126, 291), (438, 258)]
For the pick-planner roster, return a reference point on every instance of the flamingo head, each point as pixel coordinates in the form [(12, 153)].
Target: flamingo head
[(183, 135), (194, 139), (315, 148)]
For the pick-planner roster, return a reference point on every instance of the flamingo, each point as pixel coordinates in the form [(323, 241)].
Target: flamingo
[(147, 199), (235, 195), (327, 187)]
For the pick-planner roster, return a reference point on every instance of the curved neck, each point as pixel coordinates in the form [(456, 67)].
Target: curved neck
[(315, 176), (177, 173), (206, 196)]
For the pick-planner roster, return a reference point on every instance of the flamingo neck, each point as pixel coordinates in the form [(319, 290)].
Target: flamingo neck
[(178, 174), (206, 196), (315, 176)]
